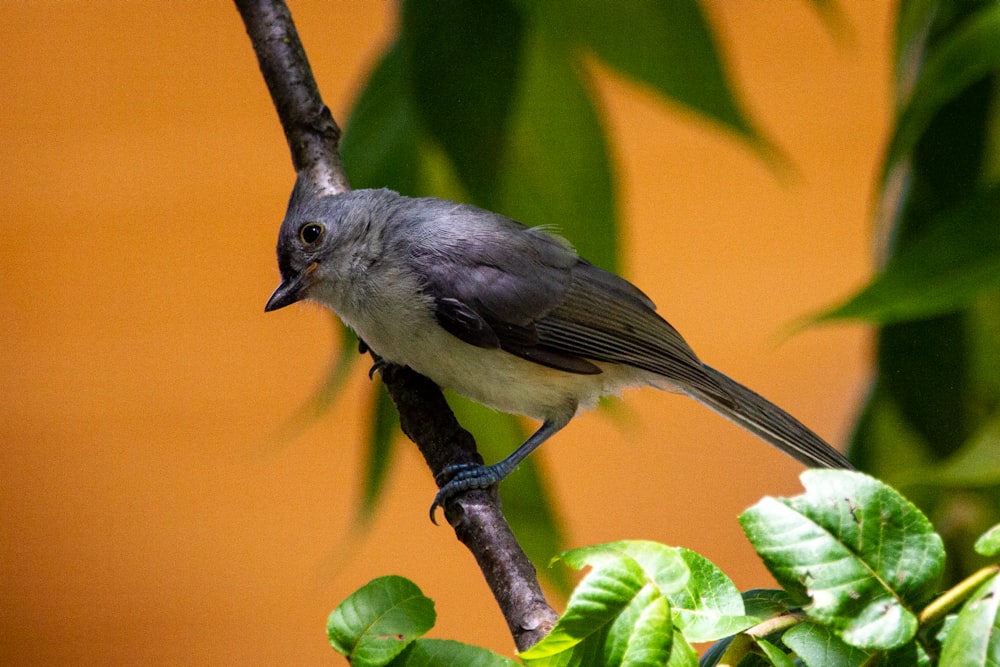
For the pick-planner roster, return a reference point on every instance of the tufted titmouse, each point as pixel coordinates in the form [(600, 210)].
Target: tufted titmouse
[(507, 315)]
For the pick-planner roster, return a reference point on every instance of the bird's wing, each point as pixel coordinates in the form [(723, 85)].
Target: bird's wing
[(602, 318), (527, 292), (489, 284)]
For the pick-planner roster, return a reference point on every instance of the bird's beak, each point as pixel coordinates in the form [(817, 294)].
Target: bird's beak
[(290, 290)]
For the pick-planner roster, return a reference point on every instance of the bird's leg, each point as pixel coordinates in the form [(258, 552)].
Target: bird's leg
[(466, 476)]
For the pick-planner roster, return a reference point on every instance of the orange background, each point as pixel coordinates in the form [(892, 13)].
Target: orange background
[(144, 174)]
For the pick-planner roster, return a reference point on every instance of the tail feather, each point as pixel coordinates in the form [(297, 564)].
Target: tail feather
[(769, 422)]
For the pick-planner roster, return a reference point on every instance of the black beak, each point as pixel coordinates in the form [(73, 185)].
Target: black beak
[(290, 290), (286, 294)]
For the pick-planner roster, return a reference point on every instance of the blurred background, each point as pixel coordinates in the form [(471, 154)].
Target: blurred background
[(151, 513)]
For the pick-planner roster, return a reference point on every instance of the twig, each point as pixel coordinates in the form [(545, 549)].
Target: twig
[(313, 139), (313, 135), (955, 596), (476, 516)]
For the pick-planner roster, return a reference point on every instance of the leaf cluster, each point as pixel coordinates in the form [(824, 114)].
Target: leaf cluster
[(859, 567), (931, 424)]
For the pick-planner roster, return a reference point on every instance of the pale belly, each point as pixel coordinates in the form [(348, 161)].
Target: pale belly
[(492, 377)]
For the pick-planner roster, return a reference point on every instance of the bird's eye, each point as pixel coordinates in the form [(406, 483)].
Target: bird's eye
[(311, 232)]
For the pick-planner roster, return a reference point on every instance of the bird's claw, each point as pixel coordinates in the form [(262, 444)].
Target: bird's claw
[(462, 477), (388, 370), (379, 367)]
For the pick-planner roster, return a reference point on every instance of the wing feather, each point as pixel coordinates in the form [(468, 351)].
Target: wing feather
[(491, 283), (500, 283)]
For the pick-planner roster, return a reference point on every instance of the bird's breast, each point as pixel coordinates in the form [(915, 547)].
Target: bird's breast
[(490, 376)]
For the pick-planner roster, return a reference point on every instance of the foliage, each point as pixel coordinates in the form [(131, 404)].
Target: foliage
[(859, 567), (931, 425)]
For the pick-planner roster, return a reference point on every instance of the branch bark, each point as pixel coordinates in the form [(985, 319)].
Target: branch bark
[(313, 139), (313, 135)]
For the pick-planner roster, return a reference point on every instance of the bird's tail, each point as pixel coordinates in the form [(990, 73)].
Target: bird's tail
[(768, 422)]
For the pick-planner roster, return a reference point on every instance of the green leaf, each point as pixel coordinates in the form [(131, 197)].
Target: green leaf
[(555, 170), (659, 564), (645, 637), (983, 350), (956, 258), (376, 622), (619, 609), (642, 635), (778, 657), (911, 655), (988, 543), (764, 603), (665, 45), (913, 24), (380, 146), (941, 634), (435, 652), (710, 606), (888, 445), (977, 463), (860, 553), (682, 654), (598, 599), (975, 637), (463, 61), (761, 605), (964, 56), (714, 653), (818, 646)]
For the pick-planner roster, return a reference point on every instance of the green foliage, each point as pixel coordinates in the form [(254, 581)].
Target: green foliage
[(858, 564), (930, 423), (710, 606), (988, 543), (946, 267), (383, 622), (378, 621), (619, 613), (816, 644), (860, 554), (665, 45), (974, 639), (965, 50)]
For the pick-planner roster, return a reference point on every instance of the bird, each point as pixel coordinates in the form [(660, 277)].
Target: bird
[(505, 314)]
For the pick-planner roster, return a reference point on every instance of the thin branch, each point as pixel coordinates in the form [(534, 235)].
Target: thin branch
[(476, 516), (312, 133), (956, 595), (313, 139)]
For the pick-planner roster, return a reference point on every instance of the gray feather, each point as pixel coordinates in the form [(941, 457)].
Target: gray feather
[(772, 424), (493, 283)]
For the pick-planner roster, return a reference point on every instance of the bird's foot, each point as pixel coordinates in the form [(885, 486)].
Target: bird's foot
[(463, 477), (384, 368), (380, 366)]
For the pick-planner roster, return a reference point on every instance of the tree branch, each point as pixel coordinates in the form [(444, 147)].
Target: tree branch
[(313, 139), (476, 516), (313, 135)]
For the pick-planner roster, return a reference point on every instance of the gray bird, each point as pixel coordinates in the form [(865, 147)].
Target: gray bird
[(507, 315)]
